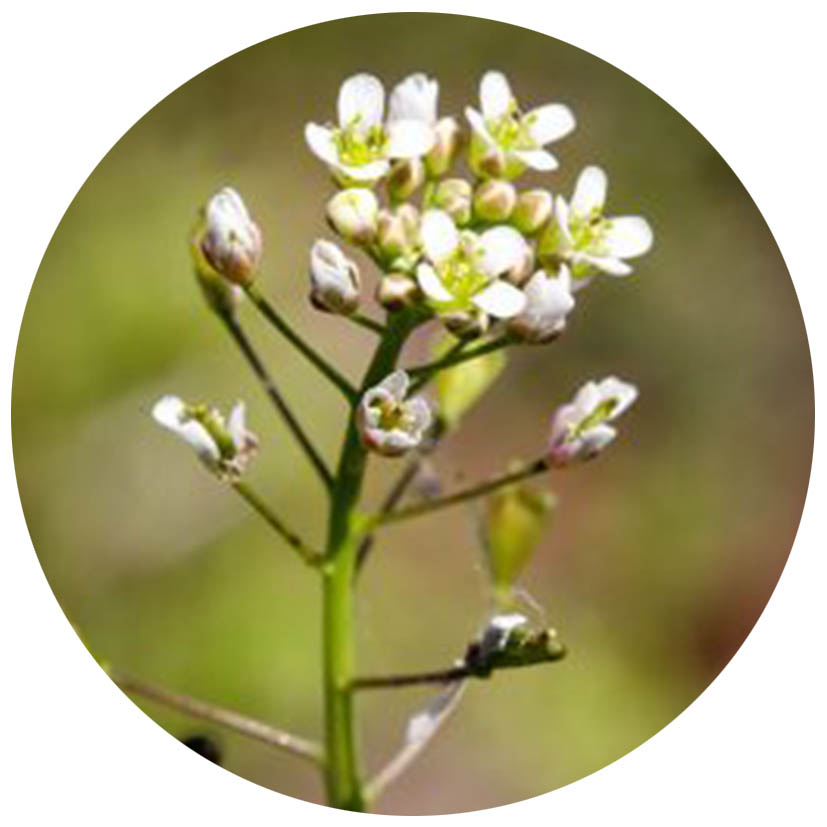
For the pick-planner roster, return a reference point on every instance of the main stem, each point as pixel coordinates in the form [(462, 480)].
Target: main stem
[(345, 534)]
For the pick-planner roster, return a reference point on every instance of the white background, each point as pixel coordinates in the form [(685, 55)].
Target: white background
[(749, 76)]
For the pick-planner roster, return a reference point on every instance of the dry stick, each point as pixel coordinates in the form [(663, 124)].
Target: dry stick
[(275, 319), (228, 718), (412, 749), (537, 467), (263, 375), (309, 555)]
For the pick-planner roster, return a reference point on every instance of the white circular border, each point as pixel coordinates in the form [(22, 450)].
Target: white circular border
[(76, 77)]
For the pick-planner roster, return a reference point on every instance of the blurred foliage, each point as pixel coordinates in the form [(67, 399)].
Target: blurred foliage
[(664, 552)]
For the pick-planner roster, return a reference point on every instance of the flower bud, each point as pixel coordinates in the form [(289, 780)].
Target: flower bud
[(231, 240), (515, 518), (388, 423), (221, 295), (487, 161), (405, 178), (334, 279), (454, 197), (467, 324), (494, 201), (397, 291), (352, 214), (548, 302), (444, 151), (460, 387), (522, 271), (397, 231), (533, 211)]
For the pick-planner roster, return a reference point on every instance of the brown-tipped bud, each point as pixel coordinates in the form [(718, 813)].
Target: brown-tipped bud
[(397, 230), (405, 178), (533, 211), (454, 197), (494, 201), (397, 291), (469, 324), (523, 270), (352, 214), (231, 240), (448, 135)]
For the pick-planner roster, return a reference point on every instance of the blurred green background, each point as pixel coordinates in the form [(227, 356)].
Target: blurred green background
[(664, 552)]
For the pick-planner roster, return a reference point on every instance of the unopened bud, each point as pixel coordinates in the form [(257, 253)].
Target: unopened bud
[(444, 151), (467, 324), (524, 268), (533, 211), (352, 214), (548, 302), (396, 291), (334, 279), (397, 231), (231, 241), (494, 201), (487, 161), (405, 178), (454, 197)]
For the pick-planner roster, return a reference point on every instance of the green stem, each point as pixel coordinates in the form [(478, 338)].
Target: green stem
[(369, 324), (309, 555), (478, 490), (421, 374), (270, 388), (345, 534), (272, 316)]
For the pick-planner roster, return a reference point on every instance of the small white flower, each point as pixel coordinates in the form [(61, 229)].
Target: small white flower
[(231, 241), (388, 423), (359, 150), (464, 268), (589, 241), (548, 302), (581, 429), (507, 141), (225, 448), (334, 279)]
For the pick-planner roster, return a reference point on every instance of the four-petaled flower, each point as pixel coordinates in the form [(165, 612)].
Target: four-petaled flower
[(580, 234), (231, 240), (581, 429), (390, 424), (359, 150), (224, 447), (463, 269), (506, 141), (548, 302)]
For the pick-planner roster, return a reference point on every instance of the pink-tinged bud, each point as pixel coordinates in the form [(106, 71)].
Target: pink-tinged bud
[(334, 279), (352, 214), (533, 211), (388, 423), (405, 178), (494, 201), (231, 242), (580, 429)]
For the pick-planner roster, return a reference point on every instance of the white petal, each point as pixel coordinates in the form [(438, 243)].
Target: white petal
[(420, 413), (500, 299), (503, 248), (537, 159), (549, 296), (562, 217), (367, 173), (361, 99), (409, 139), (597, 438), (439, 235), (478, 125), (237, 424), (549, 123), (606, 264), (430, 284), (168, 411), (586, 399), (624, 392), (628, 236), (320, 141), (495, 95), (589, 191), (396, 384), (415, 98)]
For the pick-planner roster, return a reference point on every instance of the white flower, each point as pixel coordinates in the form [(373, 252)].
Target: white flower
[(360, 148), (464, 269), (231, 241), (580, 234), (388, 423), (548, 302), (334, 279), (580, 429), (507, 141), (224, 448)]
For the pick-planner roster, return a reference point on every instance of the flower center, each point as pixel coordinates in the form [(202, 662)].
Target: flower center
[(213, 423), (512, 130), (589, 232), (599, 415), (358, 146), (460, 273)]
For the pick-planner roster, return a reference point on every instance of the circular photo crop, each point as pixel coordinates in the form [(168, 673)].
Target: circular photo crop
[(414, 428)]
